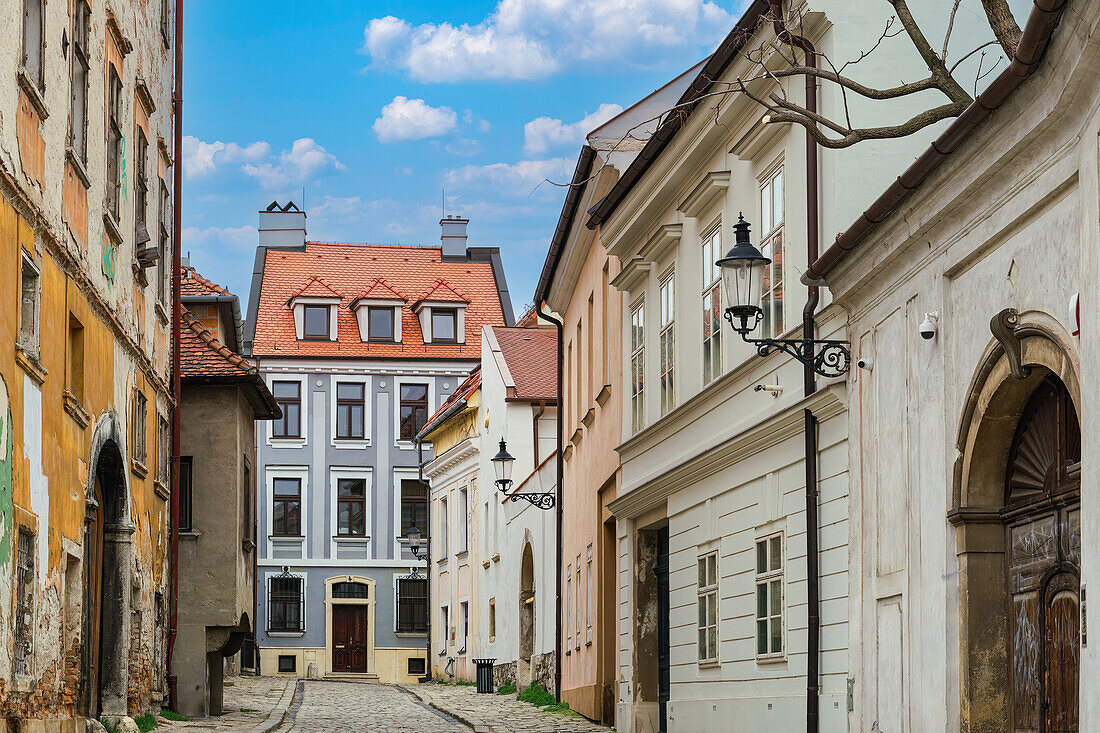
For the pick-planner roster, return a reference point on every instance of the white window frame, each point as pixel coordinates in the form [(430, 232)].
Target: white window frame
[(432, 406), (303, 396), (270, 474), (335, 473), (589, 600), (443, 522), (396, 598), (368, 404), (712, 284), (398, 473), (333, 305), (770, 231), (464, 623), (568, 610), (30, 342), (577, 603), (463, 524), (766, 580), (707, 593), (304, 577), (445, 627), (636, 364), (666, 300)]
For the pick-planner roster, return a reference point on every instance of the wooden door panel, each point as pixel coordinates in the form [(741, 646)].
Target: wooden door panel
[(1061, 657), (349, 638)]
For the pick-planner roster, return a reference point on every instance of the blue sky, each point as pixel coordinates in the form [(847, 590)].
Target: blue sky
[(374, 108)]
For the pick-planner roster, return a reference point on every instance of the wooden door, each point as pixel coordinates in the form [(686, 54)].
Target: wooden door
[(1061, 654), (349, 638)]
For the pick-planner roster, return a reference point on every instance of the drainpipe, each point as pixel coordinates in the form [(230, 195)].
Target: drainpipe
[(535, 429), (177, 184), (813, 571), (427, 562), (560, 462)]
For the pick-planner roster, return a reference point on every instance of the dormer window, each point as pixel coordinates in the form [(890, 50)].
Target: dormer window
[(380, 320), (444, 325), (315, 322)]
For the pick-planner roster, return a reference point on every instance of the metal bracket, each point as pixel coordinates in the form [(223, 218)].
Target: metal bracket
[(542, 501), (1003, 327)]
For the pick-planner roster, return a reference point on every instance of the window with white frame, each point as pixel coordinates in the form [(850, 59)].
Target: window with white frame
[(444, 542), (588, 596), (708, 607), (286, 601), (769, 596), (412, 605), (637, 366), (463, 521), (444, 629), (712, 304), (464, 619), (771, 245), (568, 610), (577, 601), (667, 337)]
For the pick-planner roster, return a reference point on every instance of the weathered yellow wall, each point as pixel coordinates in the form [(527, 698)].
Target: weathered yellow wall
[(456, 428)]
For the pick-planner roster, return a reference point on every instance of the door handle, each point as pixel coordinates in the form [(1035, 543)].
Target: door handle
[(339, 646)]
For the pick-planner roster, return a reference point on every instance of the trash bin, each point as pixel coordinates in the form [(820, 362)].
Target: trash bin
[(484, 674)]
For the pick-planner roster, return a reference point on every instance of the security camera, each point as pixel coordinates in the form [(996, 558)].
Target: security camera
[(929, 325), (866, 363)]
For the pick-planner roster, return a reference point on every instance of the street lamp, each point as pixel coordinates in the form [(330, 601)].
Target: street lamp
[(502, 466), (744, 270), (413, 538)]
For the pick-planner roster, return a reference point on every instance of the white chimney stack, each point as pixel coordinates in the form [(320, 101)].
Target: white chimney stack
[(454, 236), (282, 226)]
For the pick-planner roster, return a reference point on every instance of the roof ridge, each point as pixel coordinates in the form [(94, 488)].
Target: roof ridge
[(215, 345), (442, 283), (195, 275), (314, 279), (379, 281)]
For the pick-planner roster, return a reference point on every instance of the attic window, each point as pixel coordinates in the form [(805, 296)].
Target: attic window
[(315, 319), (380, 323), (444, 325)]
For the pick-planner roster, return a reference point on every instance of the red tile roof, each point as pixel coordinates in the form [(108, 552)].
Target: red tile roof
[(470, 385), (192, 284), (379, 289), (441, 292), (532, 358), (315, 287), (202, 355), (345, 267)]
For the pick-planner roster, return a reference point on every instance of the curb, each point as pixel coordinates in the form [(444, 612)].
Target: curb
[(278, 715), (477, 725)]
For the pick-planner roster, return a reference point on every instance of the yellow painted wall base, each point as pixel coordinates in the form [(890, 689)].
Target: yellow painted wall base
[(391, 665)]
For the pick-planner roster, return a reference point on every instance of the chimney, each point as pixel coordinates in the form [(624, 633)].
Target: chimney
[(454, 237), (282, 226)]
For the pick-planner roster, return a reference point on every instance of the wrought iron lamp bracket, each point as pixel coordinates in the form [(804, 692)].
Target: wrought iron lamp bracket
[(542, 501), (827, 357)]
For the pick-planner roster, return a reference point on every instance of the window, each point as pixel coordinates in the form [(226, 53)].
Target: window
[(34, 43), (137, 427), (771, 245), (141, 189), (287, 507), (414, 410), (666, 336), (463, 519), (769, 596), (114, 141), (29, 286), (285, 605), (164, 444), (288, 396), (76, 359), (592, 390), (712, 305), (315, 320), (248, 515), (577, 601), (444, 325), (414, 505), (444, 629), (186, 494), (605, 320), (492, 620), (444, 546), (708, 608), (637, 367), (78, 95), (588, 606), (165, 19), (417, 666), (350, 590), (412, 605), (464, 616), (379, 323), (163, 263), (24, 601), (568, 610), (351, 507), (350, 409), (288, 663)]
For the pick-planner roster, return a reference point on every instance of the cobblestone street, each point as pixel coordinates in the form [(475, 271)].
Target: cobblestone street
[(276, 705)]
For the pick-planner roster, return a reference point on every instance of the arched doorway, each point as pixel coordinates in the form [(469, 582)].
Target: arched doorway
[(1042, 517), (527, 606), (107, 534), (1014, 505)]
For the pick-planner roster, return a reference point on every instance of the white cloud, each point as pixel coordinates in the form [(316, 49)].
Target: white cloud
[(198, 156), (529, 39), (413, 119), (516, 178), (543, 133), (303, 161), (235, 153)]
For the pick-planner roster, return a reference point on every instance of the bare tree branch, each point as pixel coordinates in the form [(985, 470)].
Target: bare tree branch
[(950, 27)]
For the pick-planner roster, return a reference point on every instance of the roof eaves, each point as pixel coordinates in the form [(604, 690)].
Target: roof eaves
[(565, 221)]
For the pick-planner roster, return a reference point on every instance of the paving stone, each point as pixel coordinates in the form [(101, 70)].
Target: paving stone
[(493, 713), (259, 696), (331, 707)]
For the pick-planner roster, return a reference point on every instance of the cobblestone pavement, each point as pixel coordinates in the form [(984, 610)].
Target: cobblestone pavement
[(329, 707), (499, 713), (249, 703)]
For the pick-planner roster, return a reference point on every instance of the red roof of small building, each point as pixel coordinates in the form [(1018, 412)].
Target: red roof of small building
[(532, 358), (192, 284), (470, 385), (202, 355), (345, 268)]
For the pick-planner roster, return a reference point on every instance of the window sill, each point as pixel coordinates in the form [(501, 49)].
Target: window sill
[(78, 166), (288, 538), (771, 660), (139, 273), (162, 312), (138, 468), (33, 93), (287, 634), (410, 635), (75, 409), (24, 683), (190, 534), (575, 438), (485, 564), (496, 557), (405, 444), (589, 417), (604, 395), (350, 443), (351, 539), (162, 490), (111, 225), (30, 364), (710, 664), (286, 442)]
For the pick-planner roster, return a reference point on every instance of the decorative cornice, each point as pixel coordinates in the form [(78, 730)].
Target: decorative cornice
[(634, 271), (662, 241), (713, 185), (454, 456)]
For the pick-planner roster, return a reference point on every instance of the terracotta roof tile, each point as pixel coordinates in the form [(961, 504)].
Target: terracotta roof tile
[(379, 289), (441, 292), (192, 284), (532, 358), (462, 391), (202, 355), (345, 267), (315, 287)]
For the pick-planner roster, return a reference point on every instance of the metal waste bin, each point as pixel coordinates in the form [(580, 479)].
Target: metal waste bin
[(484, 674)]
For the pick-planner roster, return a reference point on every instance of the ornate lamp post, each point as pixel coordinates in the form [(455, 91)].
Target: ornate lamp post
[(502, 466), (744, 270)]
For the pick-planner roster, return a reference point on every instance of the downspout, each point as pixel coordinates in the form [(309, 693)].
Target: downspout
[(813, 569), (427, 563), (177, 315), (535, 428), (560, 462)]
